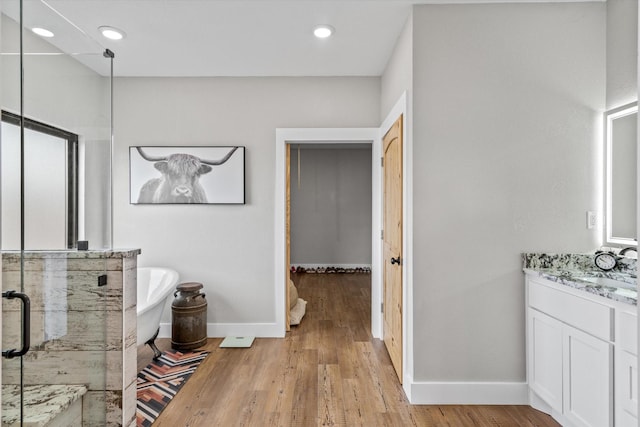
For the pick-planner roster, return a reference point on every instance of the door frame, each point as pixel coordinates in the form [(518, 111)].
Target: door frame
[(402, 108), (389, 317), (285, 136)]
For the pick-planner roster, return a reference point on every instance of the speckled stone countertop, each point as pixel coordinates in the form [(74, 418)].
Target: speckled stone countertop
[(575, 271), (75, 254), (43, 403)]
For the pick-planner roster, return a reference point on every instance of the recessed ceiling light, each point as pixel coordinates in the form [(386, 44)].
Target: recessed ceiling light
[(323, 31), (42, 32), (112, 33)]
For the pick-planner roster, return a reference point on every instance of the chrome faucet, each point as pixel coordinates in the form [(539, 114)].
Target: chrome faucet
[(627, 249)]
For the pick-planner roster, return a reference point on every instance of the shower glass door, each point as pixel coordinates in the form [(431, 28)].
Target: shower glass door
[(55, 166)]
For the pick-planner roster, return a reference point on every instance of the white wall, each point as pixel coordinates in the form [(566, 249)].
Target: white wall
[(507, 132), (331, 206), (227, 248)]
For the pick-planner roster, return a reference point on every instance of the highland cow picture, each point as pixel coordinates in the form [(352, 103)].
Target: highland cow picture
[(186, 175)]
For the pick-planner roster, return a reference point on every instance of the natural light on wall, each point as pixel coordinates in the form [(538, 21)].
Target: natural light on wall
[(620, 175)]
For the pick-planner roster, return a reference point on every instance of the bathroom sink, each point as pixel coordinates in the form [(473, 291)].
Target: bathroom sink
[(612, 283), (629, 293)]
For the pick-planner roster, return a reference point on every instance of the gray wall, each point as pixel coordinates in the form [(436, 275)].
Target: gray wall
[(622, 89), (507, 105), (506, 155), (398, 74), (59, 90), (62, 92), (623, 176), (622, 52), (396, 80), (97, 193), (229, 248), (331, 206)]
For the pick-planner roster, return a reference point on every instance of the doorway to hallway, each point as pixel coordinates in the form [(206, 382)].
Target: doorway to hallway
[(330, 214), (285, 139), (291, 137), (330, 197)]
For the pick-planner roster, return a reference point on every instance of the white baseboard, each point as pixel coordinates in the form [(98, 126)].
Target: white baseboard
[(467, 393), (220, 330)]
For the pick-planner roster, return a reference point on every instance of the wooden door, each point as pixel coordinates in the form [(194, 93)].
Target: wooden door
[(392, 242)]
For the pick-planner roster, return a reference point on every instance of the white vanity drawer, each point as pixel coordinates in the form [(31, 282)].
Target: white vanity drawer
[(586, 315)]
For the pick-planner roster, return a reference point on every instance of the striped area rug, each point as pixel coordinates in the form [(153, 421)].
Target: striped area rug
[(159, 382)]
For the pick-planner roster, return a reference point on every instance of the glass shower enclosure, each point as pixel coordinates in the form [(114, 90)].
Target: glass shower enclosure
[(55, 173)]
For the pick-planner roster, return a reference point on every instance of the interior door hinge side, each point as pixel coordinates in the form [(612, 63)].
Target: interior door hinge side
[(381, 307), (382, 161)]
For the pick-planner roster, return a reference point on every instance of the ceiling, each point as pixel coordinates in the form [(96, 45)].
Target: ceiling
[(226, 37)]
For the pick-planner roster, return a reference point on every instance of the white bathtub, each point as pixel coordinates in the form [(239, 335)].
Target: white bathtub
[(155, 285)]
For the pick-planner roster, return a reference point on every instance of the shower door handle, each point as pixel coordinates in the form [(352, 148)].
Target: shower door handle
[(26, 324)]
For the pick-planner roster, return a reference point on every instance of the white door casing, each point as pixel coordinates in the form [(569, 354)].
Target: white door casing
[(322, 136), (286, 136)]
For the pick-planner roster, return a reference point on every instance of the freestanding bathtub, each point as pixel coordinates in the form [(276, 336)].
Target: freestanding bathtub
[(155, 284)]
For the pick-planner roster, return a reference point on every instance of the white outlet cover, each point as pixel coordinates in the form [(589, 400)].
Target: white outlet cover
[(592, 219)]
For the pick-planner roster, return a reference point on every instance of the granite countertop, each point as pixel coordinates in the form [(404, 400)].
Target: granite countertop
[(578, 272), (43, 403), (74, 254)]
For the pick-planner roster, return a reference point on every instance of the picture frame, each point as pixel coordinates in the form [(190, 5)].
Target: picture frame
[(186, 175)]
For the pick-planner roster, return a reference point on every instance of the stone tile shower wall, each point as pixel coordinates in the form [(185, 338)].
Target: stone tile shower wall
[(80, 333)]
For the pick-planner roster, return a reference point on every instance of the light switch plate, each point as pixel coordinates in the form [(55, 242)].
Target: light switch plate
[(592, 219)]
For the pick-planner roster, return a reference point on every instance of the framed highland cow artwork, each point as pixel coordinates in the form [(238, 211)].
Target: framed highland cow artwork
[(186, 175)]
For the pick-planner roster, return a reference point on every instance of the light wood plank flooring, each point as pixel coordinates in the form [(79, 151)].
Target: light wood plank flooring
[(327, 372)]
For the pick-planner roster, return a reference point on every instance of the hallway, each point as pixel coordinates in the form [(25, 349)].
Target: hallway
[(327, 371)]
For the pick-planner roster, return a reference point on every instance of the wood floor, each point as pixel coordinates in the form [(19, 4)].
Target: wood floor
[(327, 372)]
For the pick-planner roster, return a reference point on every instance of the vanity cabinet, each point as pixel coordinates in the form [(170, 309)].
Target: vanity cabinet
[(626, 369), (570, 364), (587, 379), (545, 358)]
